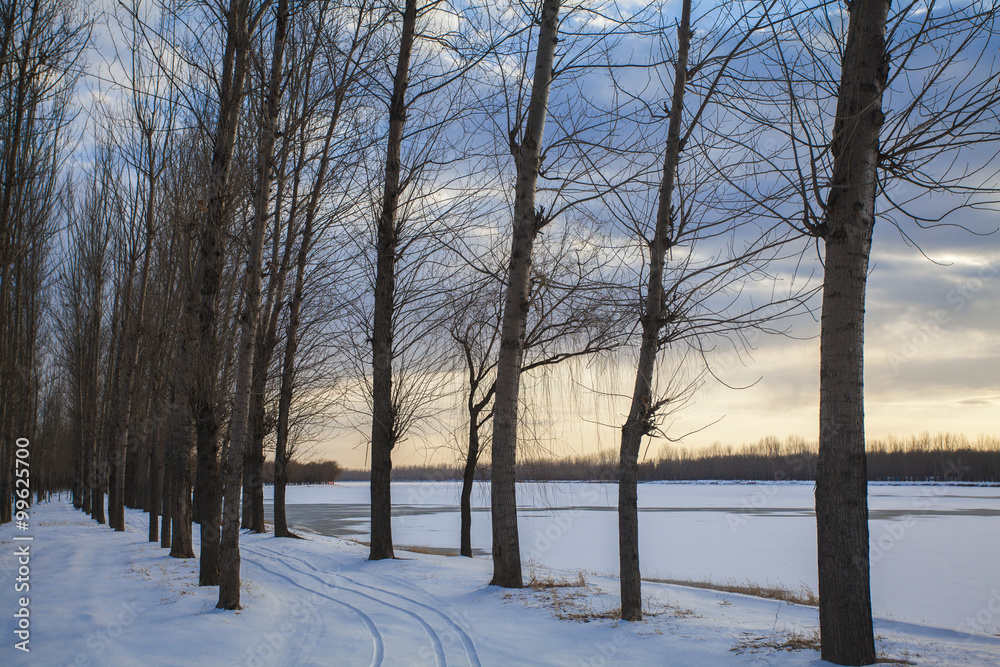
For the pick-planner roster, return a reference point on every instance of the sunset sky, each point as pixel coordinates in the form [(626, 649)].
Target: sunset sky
[(932, 364)]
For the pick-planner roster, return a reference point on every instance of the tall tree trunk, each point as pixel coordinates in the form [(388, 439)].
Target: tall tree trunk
[(287, 388), (208, 273), (468, 482), (383, 412), (132, 333), (255, 471), (268, 339), (845, 613), (166, 498), (181, 542), (208, 492), (229, 585), (245, 507), (8, 367), (155, 476), (641, 414), (527, 223)]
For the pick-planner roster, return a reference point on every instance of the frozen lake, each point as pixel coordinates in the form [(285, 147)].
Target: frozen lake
[(935, 549)]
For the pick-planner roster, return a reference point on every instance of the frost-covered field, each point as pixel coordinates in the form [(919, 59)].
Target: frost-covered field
[(105, 598), (935, 548)]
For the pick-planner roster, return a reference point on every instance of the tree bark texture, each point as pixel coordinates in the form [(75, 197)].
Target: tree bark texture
[(841, 477), (526, 225), (181, 542), (229, 583), (468, 482), (641, 411), (383, 412)]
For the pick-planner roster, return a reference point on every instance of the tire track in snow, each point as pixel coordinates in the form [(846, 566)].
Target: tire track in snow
[(302, 612), (432, 634), (378, 646), (466, 641), (463, 636)]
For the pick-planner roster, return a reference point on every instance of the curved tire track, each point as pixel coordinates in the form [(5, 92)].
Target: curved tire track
[(378, 645), (467, 644)]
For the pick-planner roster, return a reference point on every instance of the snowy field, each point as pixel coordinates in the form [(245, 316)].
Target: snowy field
[(104, 598), (934, 547)]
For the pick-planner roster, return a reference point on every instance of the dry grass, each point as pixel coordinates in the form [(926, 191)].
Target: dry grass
[(796, 640), (539, 583), (803, 595), (574, 600), (784, 640), (567, 599), (430, 551)]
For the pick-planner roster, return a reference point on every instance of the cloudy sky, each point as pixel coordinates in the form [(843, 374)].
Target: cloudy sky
[(932, 364)]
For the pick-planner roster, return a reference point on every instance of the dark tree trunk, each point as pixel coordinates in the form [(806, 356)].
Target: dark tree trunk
[(845, 613), (181, 542), (209, 489), (280, 482), (131, 331), (256, 472), (468, 482), (383, 411), (287, 386), (166, 502), (155, 480), (86, 473), (229, 587), (245, 508), (209, 267), (97, 493), (641, 412), (527, 223)]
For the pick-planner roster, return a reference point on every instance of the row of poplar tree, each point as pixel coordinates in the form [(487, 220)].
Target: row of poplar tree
[(225, 225)]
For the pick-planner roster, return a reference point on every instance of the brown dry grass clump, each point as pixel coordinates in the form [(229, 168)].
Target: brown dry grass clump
[(796, 640), (803, 595)]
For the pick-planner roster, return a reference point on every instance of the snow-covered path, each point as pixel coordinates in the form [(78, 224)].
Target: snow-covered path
[(105, 598)]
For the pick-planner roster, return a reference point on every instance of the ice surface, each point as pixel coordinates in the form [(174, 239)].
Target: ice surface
[(934, 547)]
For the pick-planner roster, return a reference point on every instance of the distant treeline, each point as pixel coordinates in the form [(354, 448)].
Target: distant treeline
[(942, 458), (313, 472)]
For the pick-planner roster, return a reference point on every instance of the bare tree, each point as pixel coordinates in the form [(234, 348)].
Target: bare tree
[(527, 222), (199, 353), (229, 586), (573, 313), (346, 71), (383, 420), (876, 103), (149, 118), (566, 171), (677, 304), (40, 64), (83, 286), (425, 87)]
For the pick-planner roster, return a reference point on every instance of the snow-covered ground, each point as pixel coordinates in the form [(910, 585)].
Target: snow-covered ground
[(104, 598), (934, 547)]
